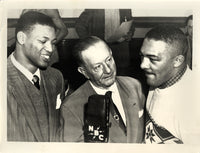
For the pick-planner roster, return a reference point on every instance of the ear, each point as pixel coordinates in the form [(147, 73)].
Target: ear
[(21, 37), (83, 71), (179, 60)]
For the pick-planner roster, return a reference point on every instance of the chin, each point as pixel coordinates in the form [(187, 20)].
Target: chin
[(110, 83), (151, 83), (43, 67)]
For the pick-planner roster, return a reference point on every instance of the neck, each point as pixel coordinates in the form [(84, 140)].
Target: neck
[(100, 87), (175, 78)]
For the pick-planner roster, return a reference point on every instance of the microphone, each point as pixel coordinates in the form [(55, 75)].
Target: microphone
[(96, 118)]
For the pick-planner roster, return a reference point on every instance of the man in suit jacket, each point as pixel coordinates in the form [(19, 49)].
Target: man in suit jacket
[(96, 63), (34, 90)]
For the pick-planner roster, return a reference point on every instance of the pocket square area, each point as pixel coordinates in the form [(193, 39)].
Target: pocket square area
[(140, 113), (58, 101)]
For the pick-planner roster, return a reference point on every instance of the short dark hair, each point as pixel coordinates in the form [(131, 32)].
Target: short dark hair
[(82, 45), (28, 20), (188, 18), (171, 35)]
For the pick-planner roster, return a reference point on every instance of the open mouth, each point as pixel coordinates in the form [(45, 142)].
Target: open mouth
[(46, 57)]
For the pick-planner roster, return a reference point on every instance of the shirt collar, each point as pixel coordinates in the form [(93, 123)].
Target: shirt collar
[(102, 91), (24, 70), (173, 79)]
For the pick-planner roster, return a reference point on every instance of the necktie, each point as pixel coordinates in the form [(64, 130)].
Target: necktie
[(116, 115), (36, 81)]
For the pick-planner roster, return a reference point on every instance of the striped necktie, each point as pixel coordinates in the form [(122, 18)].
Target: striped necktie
[(36, 81)]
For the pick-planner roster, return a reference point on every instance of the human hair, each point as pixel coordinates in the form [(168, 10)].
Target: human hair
[(31, 18), (188, 18), (171, 35), (82, 45)]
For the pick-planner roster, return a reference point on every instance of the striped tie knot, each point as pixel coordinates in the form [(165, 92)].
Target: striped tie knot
[(36, 81)]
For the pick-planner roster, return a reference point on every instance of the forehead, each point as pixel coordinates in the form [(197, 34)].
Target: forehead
[(96, 53), (153, 47), (42, 31)]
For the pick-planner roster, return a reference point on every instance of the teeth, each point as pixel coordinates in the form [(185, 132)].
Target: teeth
[(46, 56)]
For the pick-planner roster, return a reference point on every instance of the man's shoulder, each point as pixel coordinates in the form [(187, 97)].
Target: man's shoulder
[(53, 72), (129, 84), (129, 81), (53, 77), (79, 96), (52, 69), (133, 88), (185, 82)]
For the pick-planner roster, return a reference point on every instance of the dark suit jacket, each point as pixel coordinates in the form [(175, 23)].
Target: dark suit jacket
[(72, 111), (22, 121)]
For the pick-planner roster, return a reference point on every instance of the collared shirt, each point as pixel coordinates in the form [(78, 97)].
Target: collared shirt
[(173, 80), (115, 96), (24, 70)]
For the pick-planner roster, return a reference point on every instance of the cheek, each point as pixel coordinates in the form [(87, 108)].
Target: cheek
[(98, 76), (30, 47), (35, 45), (159, 68), (95, 76), (165, 71)]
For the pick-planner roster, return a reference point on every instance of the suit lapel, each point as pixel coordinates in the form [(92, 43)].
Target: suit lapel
[(50, 96), (131, 111), (23, 100)]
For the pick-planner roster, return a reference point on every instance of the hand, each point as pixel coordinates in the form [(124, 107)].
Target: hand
[(128, 36)]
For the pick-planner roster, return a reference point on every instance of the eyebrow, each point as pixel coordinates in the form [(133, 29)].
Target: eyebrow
[(108, 57), (105, 60), (148, 55), (153, 56), (45, 37)]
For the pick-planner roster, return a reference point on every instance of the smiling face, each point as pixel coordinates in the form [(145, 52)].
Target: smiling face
[(99, 65), (38, 47), (157, 61)]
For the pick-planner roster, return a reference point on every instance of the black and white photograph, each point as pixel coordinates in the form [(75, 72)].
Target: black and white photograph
[(87, 77)]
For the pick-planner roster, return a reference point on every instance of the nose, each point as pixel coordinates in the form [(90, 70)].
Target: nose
[(107, 68), (144, 63), (49, 47)]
